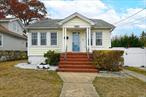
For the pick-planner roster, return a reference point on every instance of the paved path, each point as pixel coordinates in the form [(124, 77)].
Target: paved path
[(143, 68), (137, 75), (78, 84)]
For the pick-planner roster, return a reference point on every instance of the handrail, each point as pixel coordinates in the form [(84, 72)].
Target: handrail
[(87, 49), (65, 56)]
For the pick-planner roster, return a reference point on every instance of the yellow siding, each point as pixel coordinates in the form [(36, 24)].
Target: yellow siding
[(76, 21), (106, 39), (40, 50)]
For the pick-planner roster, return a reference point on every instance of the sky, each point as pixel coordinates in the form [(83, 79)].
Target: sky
[(111, 11)]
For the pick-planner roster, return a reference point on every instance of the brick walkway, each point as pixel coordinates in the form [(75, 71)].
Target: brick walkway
[(78, 84)]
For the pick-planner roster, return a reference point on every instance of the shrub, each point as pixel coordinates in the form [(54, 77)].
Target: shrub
[(52, 58), (110, 60), (11, 55)]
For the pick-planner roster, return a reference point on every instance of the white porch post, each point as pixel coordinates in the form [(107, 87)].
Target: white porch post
[(89, 30), (63, 39), (87, 38)]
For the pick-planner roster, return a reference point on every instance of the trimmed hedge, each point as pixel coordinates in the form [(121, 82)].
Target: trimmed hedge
[(110, 60), (52, 58), (12, 55)]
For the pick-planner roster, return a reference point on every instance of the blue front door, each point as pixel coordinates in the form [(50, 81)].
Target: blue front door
[(76, 41)]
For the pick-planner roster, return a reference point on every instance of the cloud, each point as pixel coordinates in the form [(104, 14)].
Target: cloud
[(100, 10), (135, 24), (62, 9)]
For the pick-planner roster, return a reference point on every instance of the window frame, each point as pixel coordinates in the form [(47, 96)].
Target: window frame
[(37, 39), (56, 38), (98, 38), (41, 38)]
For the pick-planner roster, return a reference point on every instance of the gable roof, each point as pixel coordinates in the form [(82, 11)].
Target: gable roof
[(76, 15), (6, 31), (11, 20), (56, 23), (7, 19)]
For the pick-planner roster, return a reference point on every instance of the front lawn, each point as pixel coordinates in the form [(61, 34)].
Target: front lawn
[(120, 87), (15, 82), (137, 70)]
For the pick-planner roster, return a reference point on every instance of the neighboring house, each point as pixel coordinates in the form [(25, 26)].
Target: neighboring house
[(11, 41), (75, 33), (13, 24), (11, 35)]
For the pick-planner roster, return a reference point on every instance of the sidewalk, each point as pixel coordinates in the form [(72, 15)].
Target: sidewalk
[(78, 84), (137, 75)]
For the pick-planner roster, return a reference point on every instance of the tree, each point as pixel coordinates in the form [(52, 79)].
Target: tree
[(3, 8), (143, 38), (27, 12), (127, 41)]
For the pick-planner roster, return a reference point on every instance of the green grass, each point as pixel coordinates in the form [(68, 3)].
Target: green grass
[(120, 87), (137, 70), (15, 82)]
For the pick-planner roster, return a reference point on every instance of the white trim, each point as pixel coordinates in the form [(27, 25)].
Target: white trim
[(87, 38), (1, 40), (101, 39), (89, 29), (56, 41), (31, 39), (46, 38), (74, 15), (65, 44), (76, 27), (63, 39), (94, 37), (39, 44)]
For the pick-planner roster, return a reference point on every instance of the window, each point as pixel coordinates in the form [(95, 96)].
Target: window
[(34, 38), (14, 26), (0, 40), (91, 38), (98, 38), (53, 38), (43, 38)]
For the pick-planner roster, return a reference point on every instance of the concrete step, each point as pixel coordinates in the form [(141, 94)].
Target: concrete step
[(75, 63), (76, 70), (78, 66)]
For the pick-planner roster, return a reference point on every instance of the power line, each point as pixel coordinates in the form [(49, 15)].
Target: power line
[(129, 16), (133, 22)]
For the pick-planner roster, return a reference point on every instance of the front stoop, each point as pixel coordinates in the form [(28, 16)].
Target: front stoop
[(76, 62)]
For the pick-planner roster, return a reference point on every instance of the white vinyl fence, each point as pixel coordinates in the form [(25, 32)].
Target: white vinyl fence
[(134, 56)]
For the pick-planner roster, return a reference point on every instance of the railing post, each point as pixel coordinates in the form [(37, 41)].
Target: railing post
[(63, 49)]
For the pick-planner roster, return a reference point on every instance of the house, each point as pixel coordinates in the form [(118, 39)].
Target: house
[(13, 24), (75, 33), (11, 35)]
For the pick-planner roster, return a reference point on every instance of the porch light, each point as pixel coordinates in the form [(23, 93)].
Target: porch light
[(66, 37)]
